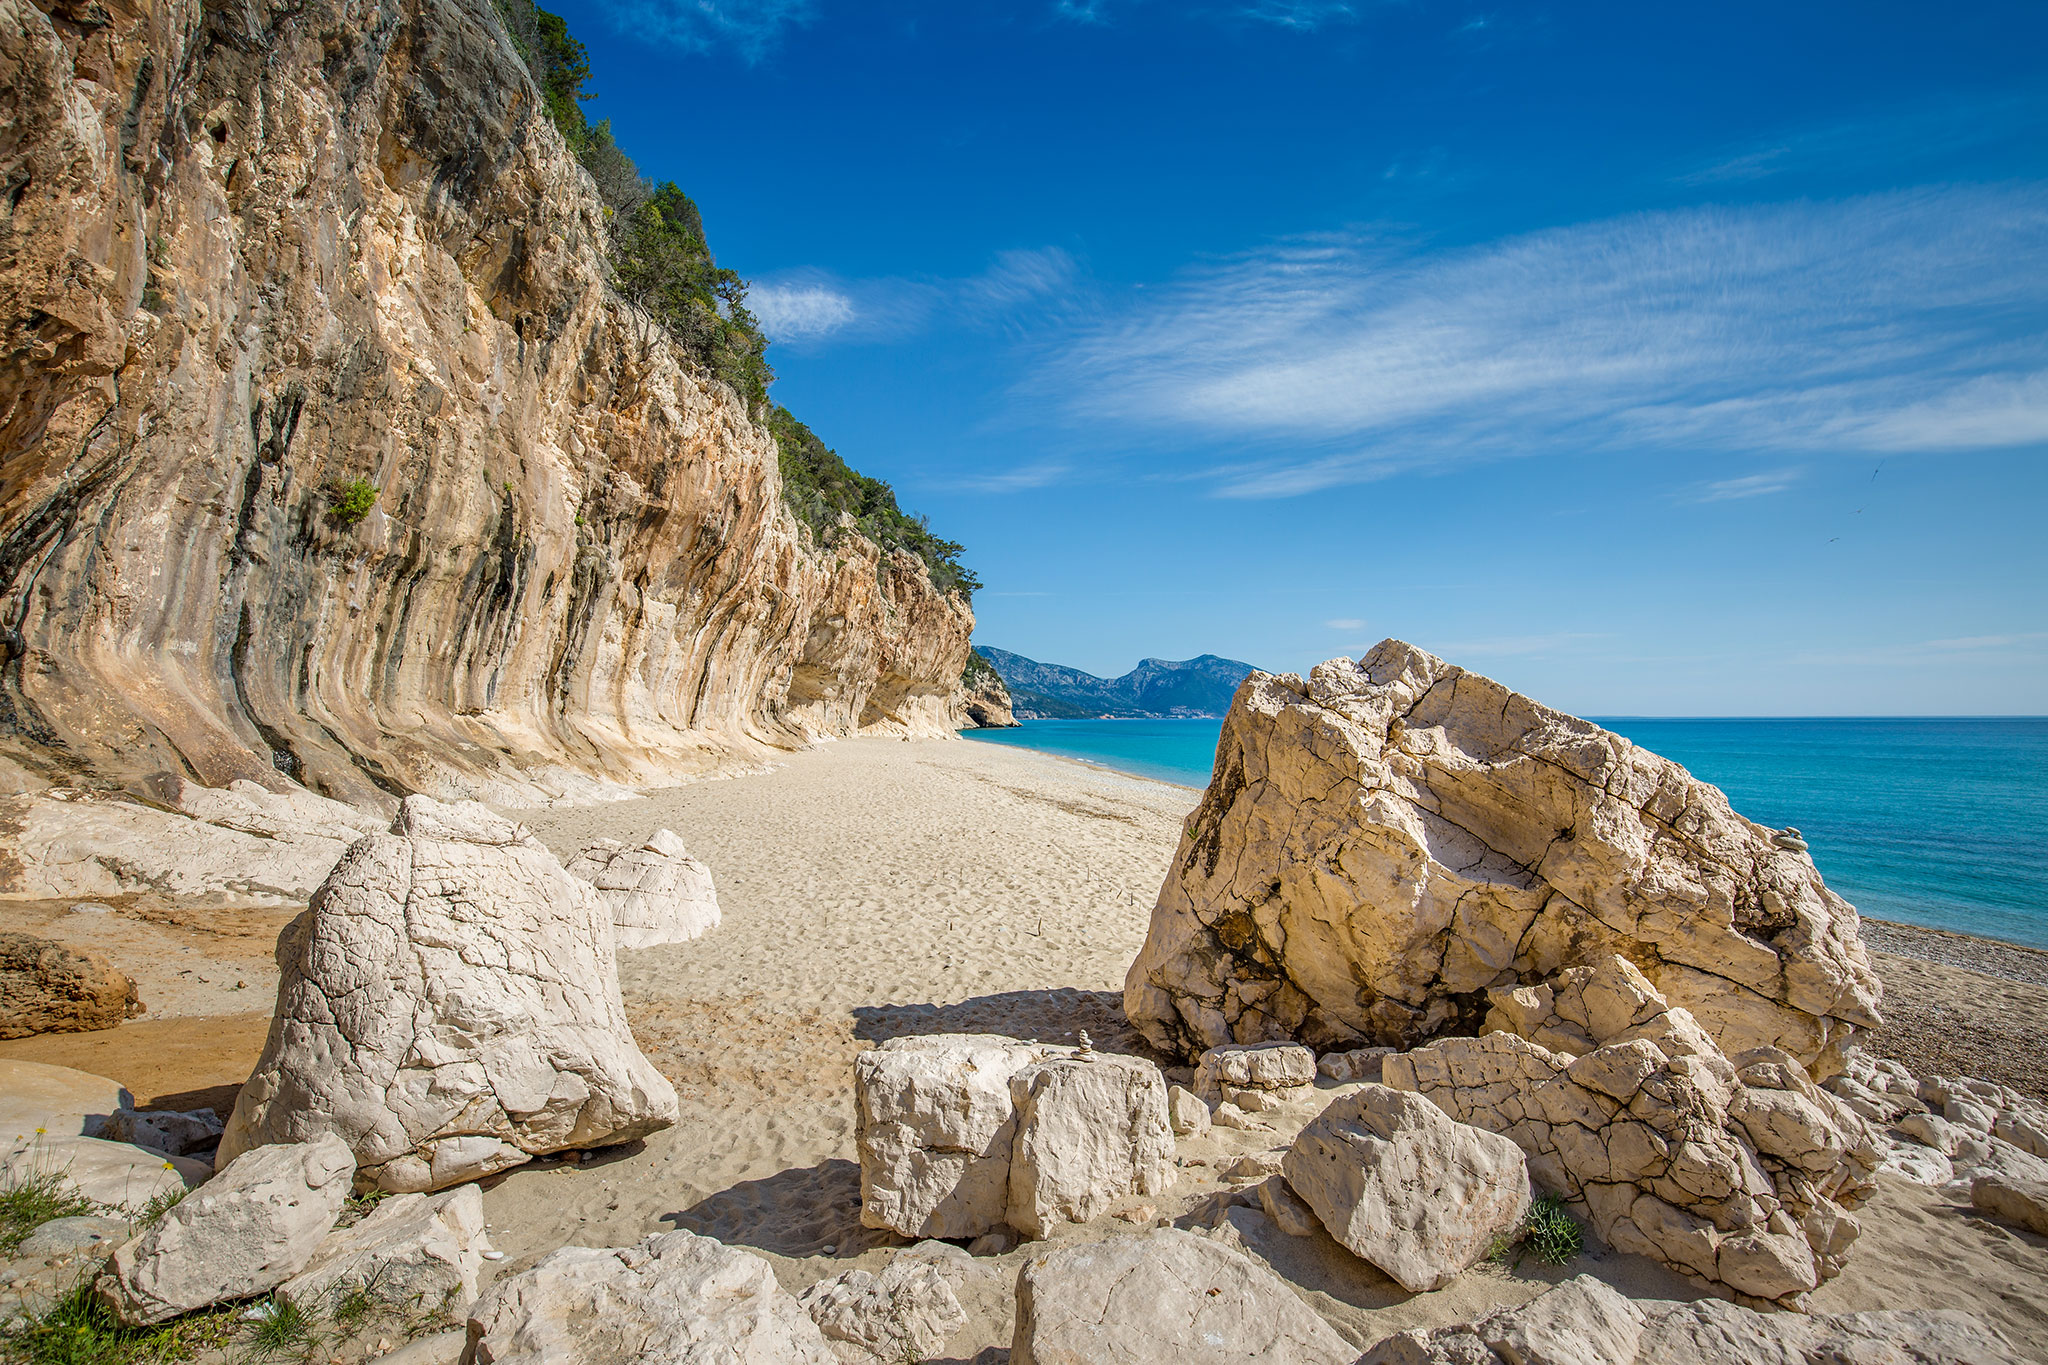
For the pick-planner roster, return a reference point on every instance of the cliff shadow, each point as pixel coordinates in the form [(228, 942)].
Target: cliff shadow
[(1054, 1016)]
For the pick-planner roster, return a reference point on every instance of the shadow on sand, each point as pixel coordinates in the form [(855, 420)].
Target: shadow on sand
[(1055, 1016), (796, 1212)]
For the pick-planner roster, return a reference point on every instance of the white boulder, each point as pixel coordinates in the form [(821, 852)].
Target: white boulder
[(1266, 1066), (960, 1134), (657, 893), (1186, 1112), (1400, 1184), (1584, 1322), (674, 1299), (904, 1313), (1164, 1298), (246, 1231), (1091, 1130), (1394, 834), (415, 1254), (450, 1007)]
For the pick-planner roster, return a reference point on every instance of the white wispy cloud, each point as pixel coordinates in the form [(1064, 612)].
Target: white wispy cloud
[(1747, 486), (752, 27), (1345, 623), (1936, 132), (792, 312), (1298, 14), (808, 306), (1016, 480), (1911, 321), (1512, 646)]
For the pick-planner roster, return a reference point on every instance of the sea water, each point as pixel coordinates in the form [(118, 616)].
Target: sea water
[(1938, 822)]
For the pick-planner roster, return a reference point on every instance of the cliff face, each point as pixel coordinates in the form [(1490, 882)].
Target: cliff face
[(254, 251), (984, 702)]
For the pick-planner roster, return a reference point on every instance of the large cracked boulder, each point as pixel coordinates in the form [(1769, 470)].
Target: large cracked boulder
[(1387, 840), (963, 1133), (1583, 1321), (1737, 1171), (1400, 1184), (244, 1232), (449, 1006), (657, 893), (46, 987), (674, 1299), (1164, 1298)]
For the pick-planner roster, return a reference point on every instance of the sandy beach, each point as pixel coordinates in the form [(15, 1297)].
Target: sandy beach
[(876, 887)]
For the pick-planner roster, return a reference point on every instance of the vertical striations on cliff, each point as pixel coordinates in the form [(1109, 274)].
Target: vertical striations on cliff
[(326, 452)]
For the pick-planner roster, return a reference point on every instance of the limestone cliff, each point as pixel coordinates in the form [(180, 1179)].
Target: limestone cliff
[(984, 700), (255, 252)]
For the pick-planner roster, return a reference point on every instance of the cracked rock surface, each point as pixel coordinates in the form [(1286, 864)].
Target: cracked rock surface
[(1385, 842), (450, 1007), (657, 893), (1583, 1320), (1736, 1171)]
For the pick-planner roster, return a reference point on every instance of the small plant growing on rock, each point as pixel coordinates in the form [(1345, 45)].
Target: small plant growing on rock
[(282, 1329), (351, 501), (1549, 1233)]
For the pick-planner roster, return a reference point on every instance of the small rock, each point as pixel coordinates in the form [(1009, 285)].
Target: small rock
[(1256, 1166), (678, 1298), (1400, 1184), (46, 987), (1137, 1213), (904, 1313), (1260, 1066), (246, 1231), (1165, 1297), (996, 1243), (415, 1253), (1228, 1115), (1285, 1208), (1186, 1112), (168, 1131), (2023, 1203)]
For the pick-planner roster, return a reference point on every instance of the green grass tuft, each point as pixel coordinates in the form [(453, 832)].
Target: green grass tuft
[(283, 1330), (34, 1198), (1548, 1232), (78, 1329)]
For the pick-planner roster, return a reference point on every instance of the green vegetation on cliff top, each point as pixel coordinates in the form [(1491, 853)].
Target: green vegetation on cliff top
[(661, 261)]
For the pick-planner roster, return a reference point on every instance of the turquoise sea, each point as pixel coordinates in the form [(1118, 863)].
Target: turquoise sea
[(1938, 822)]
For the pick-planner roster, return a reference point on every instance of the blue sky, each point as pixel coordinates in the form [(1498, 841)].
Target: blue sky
[(1653, 359)]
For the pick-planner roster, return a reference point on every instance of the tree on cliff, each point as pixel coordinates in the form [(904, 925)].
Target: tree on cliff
[(661, 260)]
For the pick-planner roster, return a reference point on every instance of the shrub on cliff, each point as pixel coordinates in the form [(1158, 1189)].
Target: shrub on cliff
[(661, 261)]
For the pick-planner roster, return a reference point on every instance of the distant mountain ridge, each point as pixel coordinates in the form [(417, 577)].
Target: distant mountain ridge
[(1156, 688)]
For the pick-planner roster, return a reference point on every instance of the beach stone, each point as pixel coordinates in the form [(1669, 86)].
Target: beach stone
[(416, 1254), (249, 1229), (1392, 836), (174, 1132), (1966, 1113), (1401, 1185), (935, 1126), (60, 1100), (82, 1236), (450, 1007), (1165, 1297), (1930, 1130), (2023, 1203), (1357, 1064), (1286, 1209), (1091, 1130), (441, 1348), (904, 1313), (1186, 1112), (1228, 1115), (657, 893), (2028, 1133), (116, 1174), (676, 1298), (1737, 1171), (1921, 1165), (1585, 1322), (47, 987), (1268, 1066)]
